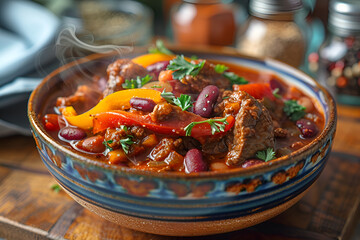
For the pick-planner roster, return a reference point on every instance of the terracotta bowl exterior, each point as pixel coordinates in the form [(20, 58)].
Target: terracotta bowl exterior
[(178, 204)]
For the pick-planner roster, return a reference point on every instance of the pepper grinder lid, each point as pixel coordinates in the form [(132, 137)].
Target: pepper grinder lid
[(344, 17), (268, 8)]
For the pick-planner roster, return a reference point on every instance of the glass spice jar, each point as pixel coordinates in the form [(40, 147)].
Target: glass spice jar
[(271, 31), (204, 22), (339, 56)]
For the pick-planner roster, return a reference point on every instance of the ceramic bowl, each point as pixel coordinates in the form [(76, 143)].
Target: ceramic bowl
[(179, 204)]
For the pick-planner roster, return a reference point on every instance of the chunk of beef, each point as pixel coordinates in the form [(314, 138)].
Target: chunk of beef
[(275, 108), (161, 112), (82, 100), (121, 70), (220, 105), (207, 76), (280, 132), (113, 136), (216, 146), (163, 149), (253, 130)]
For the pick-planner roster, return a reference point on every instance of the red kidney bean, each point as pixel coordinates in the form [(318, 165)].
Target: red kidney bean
[(143, 104), (70, 133), (251, 162), (194, 161), (205, 102), (275, 84), (308, 128), (156, 68), (92, 144)]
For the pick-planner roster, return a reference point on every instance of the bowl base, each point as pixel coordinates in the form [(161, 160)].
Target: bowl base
[(196, 228)]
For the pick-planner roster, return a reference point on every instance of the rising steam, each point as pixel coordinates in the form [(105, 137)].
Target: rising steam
[(69, 47)]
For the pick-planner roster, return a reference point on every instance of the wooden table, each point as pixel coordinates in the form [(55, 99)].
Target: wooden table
[(30, 209)]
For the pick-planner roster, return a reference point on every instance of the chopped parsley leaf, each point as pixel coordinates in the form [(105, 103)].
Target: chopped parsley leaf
[(235, 79), (184, 102), (294, 110), (136, 83), (275, 93), (217, 125), (108, 148), (266, 155), (183, 68), (160, 48), (220, 68), (126, 143)]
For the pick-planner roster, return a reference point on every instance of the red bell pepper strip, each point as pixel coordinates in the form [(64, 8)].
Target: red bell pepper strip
[(172, 126), (257, 90)]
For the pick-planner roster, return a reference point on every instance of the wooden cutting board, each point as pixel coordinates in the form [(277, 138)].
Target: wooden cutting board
[(31, 209)]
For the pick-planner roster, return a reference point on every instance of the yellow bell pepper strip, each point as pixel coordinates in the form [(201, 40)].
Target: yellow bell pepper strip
[(115, 101), (151, 58), (172, 126)]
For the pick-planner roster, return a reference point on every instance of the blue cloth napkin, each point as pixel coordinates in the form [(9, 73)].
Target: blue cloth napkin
[(27, 32)]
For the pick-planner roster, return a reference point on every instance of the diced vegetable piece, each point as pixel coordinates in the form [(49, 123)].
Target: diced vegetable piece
[(166, 76), (117, 156), (150, 141), (174, 160), (51, 122), (257, 90)]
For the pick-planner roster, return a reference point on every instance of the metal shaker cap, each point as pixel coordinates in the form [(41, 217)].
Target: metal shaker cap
[(266, 8), (344, 17)]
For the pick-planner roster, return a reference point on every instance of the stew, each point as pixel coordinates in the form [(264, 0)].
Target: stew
[(165, 112)]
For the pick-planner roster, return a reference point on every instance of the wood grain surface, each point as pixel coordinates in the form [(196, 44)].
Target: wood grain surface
[(30, 209)]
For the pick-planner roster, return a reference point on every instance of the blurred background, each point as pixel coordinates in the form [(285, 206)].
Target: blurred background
[(320, 37)]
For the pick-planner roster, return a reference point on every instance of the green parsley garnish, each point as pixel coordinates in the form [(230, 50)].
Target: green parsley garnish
[(235, 79), (156, 86), (160, 48), (220, 68), (194, 57), (136, 83), (107, 147), (266, 155), (56, 188), (168, 96), (182, 68), (275, 93), (226, 97), (184, 101), (294, 110), (126, 143), (217, 125)]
